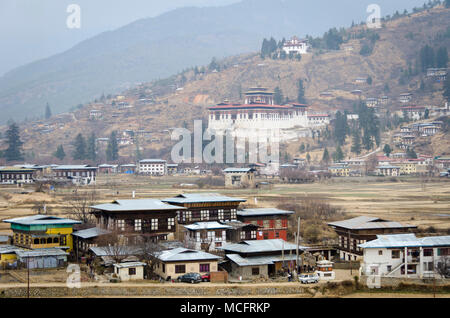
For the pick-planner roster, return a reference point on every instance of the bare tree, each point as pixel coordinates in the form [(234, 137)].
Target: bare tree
[(443, 266), (115, 245), (78, 205), (149, 254)]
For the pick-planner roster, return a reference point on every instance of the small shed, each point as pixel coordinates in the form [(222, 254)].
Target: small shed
[(42, 258), (129, 271)]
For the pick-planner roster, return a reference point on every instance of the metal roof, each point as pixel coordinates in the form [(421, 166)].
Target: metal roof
[(129, 264), (259, 260), (8, 249), (90, 233), (73, 167), (263, 211), (201, 197), (367, 222), (184, 254), (112, 251), (40, 219), (206, 226), (257, 246), (4, 238), (152, 160), (41, 252), (406, 240), (136, 205), (238, 170)]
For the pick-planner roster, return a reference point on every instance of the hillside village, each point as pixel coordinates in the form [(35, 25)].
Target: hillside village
[(372, 110)]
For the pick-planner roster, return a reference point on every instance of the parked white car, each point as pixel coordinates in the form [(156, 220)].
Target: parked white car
[(308, 278)]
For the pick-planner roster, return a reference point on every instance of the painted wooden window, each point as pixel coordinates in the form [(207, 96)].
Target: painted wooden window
[(132, 271), (255, 270), (154, 225), (138, 225), (204, 268), (170, 223), (180, 269)]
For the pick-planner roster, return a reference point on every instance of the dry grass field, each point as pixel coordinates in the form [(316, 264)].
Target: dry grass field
[(409, 200)]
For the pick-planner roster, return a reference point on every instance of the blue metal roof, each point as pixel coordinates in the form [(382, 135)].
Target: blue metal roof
[(263, 211), (201, 197), (257, 246), (40, 219), (136, 205), (184, 254), (406, 240)]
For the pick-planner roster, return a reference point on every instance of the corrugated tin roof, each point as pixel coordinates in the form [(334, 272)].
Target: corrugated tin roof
[(201, 197), (129, 264), (263, 211), (89, 233), (7, 249), (41, 252), (136, 205), (112, 251), (40, 219), (4, 238), (184, 254), (240, 170), (367, 222), (259, 260), (206, 226), (406, 240), (258, 246)]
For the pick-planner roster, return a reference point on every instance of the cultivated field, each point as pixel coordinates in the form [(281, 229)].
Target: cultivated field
[(412, 200)]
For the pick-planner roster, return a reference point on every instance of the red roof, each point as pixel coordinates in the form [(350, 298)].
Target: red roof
[(251, 106)]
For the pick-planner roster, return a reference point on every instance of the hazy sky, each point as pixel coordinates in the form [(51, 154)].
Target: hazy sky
[(34, 29)]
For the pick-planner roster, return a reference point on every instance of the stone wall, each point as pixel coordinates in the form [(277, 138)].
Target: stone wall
[(157, 290)]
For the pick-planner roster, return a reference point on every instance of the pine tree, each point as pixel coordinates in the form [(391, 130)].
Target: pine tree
[(48, 112), (326, 156), (301, 92), (338, 155), (278, 96), (442, 57), (356, 142), (447, 89), (367, 141), (91, 149), (14, 150), (59, 153), (308, 157), (80, 148), (387, 150), (112, 150)]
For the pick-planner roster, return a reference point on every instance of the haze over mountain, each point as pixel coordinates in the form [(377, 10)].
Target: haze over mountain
[(157, 47)]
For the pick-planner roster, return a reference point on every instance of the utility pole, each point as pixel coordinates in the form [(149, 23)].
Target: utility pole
[(28, 277), (298, 239), (349, 251)]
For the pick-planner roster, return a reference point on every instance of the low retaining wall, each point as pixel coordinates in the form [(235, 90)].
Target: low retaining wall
[(156, 291), (396, 281)]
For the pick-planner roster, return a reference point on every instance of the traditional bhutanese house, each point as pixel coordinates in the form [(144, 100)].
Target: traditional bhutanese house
[(273, 222), (361, 229), (315, 120), (384, 100), (42, 231), (360, 80), (207, 236), (405, 98), (107, 168), (264, 258), (16, 175), (148, 218), (128, 168), (200, 207), (371, 102), (239, 177), (79, 174), (413, 112), (408, 140), (83, 240), (241, 231), (172, 168), (442, 162), (340, 171), (42, 258), (388, 170), (129, 271), (407, 166), (179, 261), (95, 113)]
